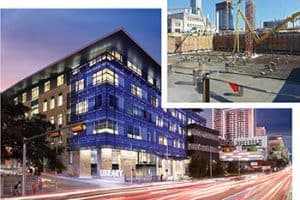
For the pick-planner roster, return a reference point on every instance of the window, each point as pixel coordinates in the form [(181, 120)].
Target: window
[(105, 76), (136, 91), (79, 85), (162, 140), (46, 86), (154, 101), (159, 121), (117, 56), (45, 106), (134, 132), (35, 109), (180, 130), (113, 101), (51, 119), (34, 93), (82, 107), (60, 100), (92, 62), (97, 102), (149, 137), (60, 80), (105, 126), (172, 127), (60, 119), (24, 97), (150, 80), (52, 103), (134, 68)]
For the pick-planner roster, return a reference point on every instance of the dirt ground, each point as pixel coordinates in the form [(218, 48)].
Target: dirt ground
[(285, 67)]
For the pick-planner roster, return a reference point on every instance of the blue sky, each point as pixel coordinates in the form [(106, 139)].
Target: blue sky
[(32, 39), (265, 9)]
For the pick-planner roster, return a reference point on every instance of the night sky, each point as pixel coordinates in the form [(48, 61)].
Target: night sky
[(34, 38)]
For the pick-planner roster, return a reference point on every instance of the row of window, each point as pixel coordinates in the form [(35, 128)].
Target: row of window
[(110, 126), (52, 103), (59, 119), (35, 90)]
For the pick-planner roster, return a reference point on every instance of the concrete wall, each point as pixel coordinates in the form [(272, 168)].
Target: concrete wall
[(189, 43)]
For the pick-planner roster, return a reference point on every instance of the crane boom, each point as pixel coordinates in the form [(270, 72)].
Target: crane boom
[(259, 39)]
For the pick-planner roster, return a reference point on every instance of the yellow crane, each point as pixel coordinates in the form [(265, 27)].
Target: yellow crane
[(258, 39)]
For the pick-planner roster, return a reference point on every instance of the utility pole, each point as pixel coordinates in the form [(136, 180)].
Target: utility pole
[(24, 168), (210, 162)]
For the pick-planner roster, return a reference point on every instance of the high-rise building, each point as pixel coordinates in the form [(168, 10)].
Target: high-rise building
[(234, 123), (106, 101), (260, 131), (274, 23), (224, 16), (196, 6)]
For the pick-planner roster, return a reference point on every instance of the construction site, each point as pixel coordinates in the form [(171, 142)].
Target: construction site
[(229, 64)]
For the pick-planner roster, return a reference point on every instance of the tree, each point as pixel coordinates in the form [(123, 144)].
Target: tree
[(198, 167), (232, 167), (15, 125)]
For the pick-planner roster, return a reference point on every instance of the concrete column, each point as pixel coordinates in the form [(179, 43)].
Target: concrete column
[(85, 163), (99, 163), (76, 163)]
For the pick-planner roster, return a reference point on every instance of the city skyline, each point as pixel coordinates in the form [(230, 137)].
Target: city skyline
[(280, 10), (76, 29)]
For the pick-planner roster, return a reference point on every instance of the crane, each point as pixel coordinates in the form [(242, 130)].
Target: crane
[(258, 39)]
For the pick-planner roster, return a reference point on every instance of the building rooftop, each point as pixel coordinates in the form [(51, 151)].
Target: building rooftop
[(118, 40)]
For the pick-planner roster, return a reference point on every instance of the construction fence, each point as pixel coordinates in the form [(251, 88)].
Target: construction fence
[(286, 43)]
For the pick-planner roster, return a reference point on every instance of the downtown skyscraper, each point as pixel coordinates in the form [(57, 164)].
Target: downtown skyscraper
[(234, 123)]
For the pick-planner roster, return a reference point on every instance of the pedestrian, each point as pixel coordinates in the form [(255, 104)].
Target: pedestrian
[(33, 186), (40, 184), (19, 188), (15, 189), (161, 177)]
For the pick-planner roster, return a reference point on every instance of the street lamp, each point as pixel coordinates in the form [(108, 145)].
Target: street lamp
[(56, 147)]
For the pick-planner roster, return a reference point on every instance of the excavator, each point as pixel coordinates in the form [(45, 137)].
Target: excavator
[(258, 39)]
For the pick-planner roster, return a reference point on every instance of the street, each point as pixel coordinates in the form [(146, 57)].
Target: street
[(275, 186)]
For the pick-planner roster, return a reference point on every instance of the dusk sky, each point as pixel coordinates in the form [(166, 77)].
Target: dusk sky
[(276, 122), (34, 38), (265, 9)]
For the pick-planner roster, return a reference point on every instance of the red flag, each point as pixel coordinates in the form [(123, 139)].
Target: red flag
[(235, 87)]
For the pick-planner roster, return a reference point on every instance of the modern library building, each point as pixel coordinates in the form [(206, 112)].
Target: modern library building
[(105, 100)]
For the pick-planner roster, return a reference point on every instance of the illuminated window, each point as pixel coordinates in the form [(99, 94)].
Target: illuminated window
[(173, 113), (52, 103), (136, 91), (34, 93), (46, 86), (82, 107), (154, 101), (105, 76), (51, 119), (79, 85), (60, 119), (92, 62), (24, 97), (45, 105), (172, 127), (159, 121), (35, 109), (117, 56), (60, 80), (134, 68), (162, 140), (134, 132), (150, 80), (105, 126), (60, 100), (180, 130)]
